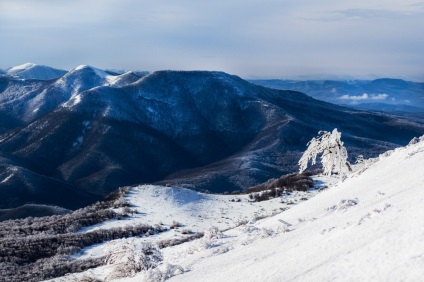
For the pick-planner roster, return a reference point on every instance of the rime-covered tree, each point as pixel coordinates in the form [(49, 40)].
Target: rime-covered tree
[(133, 256), (333, 153)]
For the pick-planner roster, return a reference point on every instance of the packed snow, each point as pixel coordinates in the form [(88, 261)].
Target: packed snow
[(370, 227), (194, 211)]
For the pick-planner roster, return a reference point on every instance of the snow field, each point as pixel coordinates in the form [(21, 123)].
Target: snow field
[(368, 228)]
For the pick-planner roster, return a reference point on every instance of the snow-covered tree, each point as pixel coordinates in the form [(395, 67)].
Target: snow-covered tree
[(333, 153), (132, 256)]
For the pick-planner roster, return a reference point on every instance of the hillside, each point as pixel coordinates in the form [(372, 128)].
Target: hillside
[(369, 227), (91, 131)]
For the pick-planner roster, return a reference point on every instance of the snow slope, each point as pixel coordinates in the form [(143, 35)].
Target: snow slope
[(195, 211), (368, 228)]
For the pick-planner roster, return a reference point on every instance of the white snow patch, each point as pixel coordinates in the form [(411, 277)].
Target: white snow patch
[(7, 178), (80, 67), (12, 171), (109, 79), (73, 101), (21, 67)]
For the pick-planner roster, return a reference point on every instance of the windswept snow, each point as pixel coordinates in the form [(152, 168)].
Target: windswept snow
[(368, 228), (194, 211)]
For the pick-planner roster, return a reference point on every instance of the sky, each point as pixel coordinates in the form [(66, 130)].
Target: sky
[(288, 39)]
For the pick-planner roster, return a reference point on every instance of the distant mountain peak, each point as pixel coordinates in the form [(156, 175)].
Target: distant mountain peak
[(25, 66), (34, 71), (97, 71)]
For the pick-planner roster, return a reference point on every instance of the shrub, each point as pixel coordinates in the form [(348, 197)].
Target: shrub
[(175, 224), (276, 187), (132, 257)]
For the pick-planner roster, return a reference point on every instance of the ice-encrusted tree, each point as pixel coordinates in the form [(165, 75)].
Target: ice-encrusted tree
[(333, 153), (132, 256)]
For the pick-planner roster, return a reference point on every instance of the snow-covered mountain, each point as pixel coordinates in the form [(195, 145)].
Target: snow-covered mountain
[(92, 131), (27, 100), (34, 71), (389, 95), (370, 227)]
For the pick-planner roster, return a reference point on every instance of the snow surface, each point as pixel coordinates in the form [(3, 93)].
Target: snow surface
[(34, 71), (21, 67), (12, 172), (109, 79), (195, 211), (368, 228)]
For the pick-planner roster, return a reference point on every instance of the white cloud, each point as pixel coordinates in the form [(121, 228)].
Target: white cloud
[(364, 96), (379, 96), (354, 98)]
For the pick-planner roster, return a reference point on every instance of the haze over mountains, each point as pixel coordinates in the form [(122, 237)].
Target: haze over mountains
[(71, 138), (389, 95)]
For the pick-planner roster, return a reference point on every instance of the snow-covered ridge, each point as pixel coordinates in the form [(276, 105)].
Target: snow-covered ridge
[(368, 228), (34, 71), (108, 78), (25, 66), (115, 78)]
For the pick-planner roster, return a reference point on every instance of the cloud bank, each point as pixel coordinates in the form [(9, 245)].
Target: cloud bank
[(364, 96)]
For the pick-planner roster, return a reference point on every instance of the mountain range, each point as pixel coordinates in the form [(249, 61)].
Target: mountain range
[(72, 139), (385, 94)]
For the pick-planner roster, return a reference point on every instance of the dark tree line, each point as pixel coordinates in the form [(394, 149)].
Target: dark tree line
[(29, 249), (60, 224), (277, 187), (35, 249)]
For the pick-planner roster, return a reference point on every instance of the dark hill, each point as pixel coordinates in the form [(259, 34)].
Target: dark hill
[(205, 130)]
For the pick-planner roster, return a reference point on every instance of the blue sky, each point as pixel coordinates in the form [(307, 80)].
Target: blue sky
[(250, 38)]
